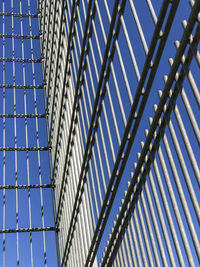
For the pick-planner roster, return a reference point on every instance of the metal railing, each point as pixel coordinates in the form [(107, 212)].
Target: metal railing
[(103, 65), (26, 222), (123, 137)]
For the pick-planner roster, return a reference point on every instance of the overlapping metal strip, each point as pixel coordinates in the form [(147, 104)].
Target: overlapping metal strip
[(27, 232), (103, 65)]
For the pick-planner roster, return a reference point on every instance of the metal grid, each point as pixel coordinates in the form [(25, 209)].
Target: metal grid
[(103, 65), (27, 229)]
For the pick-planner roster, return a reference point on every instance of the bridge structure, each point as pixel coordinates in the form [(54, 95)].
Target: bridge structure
[(99, 133)]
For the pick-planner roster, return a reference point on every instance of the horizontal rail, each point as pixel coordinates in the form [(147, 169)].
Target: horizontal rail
[(7, 14), (21, 60), (11, 86), (22, 115), (24, 148), (18, 36), (32, 186), (27, 230)]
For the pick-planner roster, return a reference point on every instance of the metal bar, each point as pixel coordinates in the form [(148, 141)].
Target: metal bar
[(139, 27), (27, 230), (18, 36), (24, 148), (135, 65), (154, 219), (183, 200), (183, 167), (60, 35), (95, 108), (187, 143), (94, 116), (4, 141), (124, 259), (122, 69), (15, 133), (16, 136), (135, 240), (65, 71), (104, 174), (129, 250), (23, 115), (185, 98), (107, 85), (152, 11), (127, 142), (12, 86), (94, 157), (44, 31), (37, 139), (150, 231), (168, 214), (168, 85), (75, 97), (144, 233), (50, 163), (26, 140), (140, 239), (21, 60), (52, 31), (26, 186), (43, 19), (7, 14), (175, 207)]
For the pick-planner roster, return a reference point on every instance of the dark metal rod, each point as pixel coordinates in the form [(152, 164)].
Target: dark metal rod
[(125, 149), (18, 36), (7, 14), (74, 104), (11, 86), (27, 230), (33, 186), (94, 118), (22, 115), (65, 74), (21, 60), (151, 132), (23, 148)]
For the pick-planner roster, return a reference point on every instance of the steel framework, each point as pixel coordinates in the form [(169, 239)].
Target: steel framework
[(102, 65)]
